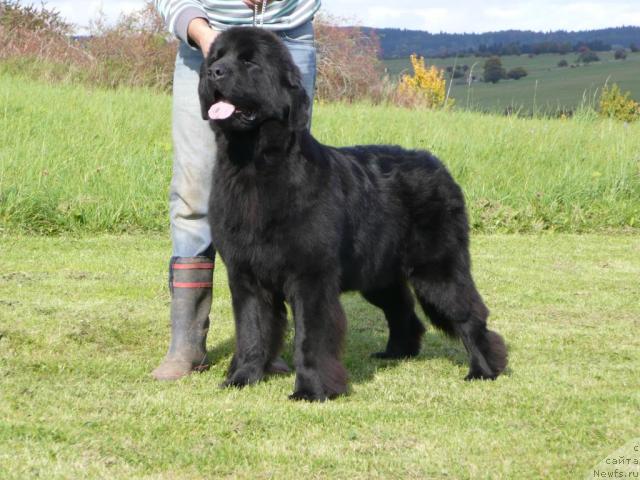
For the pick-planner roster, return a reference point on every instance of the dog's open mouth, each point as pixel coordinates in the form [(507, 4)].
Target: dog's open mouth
[(222, 110)]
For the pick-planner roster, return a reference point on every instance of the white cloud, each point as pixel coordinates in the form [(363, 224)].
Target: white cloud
[(431, 15), (507, 13), (80, 13), (489, 15), (421, 18)]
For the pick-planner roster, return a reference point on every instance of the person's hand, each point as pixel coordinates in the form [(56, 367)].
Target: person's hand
[(253, 3), (202, 34)]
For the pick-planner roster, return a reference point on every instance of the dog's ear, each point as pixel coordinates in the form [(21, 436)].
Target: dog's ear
[(299, 105), (206, 99)]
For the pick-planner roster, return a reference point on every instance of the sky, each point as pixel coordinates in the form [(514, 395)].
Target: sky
[(433, 16)]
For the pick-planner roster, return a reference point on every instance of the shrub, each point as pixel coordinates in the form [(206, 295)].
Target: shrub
[(15, 16), (618, 105), (493, 70), (563, 63), (348, 63), (26, 31), (620, 54), (517, 73), (451, 73), (136, 51), (634, 47), (457, 72), (426, 87), (588, 56)]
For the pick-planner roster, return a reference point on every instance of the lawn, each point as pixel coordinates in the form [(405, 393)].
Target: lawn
[(83, 320), (548, 88), (84, 249), (76, 159)]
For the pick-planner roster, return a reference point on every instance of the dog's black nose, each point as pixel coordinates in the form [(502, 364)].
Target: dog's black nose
[(217, 71)]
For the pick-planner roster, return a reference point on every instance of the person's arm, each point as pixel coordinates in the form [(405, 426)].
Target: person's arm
[(179, 15), (201, 34)]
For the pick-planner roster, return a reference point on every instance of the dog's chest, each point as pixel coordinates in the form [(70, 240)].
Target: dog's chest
[(249, 222)]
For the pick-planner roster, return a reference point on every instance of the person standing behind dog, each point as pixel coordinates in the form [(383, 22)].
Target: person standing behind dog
[(197, 24)]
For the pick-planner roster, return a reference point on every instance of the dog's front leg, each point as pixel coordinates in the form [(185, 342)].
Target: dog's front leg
[(319, 332), (260, 319)]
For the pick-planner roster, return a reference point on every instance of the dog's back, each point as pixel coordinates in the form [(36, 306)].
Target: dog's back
[(398, 209)]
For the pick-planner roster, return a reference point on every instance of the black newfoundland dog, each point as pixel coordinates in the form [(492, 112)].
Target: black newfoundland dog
[(299, 222)]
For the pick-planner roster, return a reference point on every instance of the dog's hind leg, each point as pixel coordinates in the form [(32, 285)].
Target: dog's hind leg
[(320, 325), (449, 297), (260, 318), (405, 328)]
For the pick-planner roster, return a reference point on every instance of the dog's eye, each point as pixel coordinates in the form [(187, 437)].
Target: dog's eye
[(246, 60)]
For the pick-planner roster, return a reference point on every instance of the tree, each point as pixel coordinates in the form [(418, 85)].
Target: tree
[(458, 72), (620, 54), (517, 73), (588, 57), (493, 70), (563, 63)]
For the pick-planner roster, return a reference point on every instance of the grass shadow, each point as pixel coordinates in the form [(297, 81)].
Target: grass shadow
[(363, 342), (367, 333), (221, 350)]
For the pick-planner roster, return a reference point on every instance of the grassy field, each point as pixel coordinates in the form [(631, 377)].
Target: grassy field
[(84, 312), (84, 320), (548, 88), (74, 159)]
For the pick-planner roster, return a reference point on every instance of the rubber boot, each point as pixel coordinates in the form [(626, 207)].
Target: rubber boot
[(190, 284)]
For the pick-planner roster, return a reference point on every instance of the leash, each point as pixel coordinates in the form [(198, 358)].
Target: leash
[(263, 7)]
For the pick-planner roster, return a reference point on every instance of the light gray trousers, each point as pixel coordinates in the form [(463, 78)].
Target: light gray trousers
[(194, 144)]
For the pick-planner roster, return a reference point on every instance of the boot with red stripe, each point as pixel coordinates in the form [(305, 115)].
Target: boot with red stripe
[(190, 283)]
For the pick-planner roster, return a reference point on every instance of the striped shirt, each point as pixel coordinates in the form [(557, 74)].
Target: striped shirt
[(223, 14)]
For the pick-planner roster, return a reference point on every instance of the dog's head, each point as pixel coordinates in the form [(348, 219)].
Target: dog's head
[(248, 78)]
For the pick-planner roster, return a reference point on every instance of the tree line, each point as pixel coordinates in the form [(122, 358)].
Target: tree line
[(400, 43)]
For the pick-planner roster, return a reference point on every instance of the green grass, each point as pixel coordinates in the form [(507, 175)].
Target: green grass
[(84, 321), (548, 88), (80, 160), (84, 315)]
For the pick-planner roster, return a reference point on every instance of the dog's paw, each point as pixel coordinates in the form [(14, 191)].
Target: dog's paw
[(241, 378), (308, 396), (386, 355), (311, 394), (477, 374), (406, 347)]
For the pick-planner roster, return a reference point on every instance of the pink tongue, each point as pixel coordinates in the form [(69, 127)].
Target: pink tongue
[(221, 110)]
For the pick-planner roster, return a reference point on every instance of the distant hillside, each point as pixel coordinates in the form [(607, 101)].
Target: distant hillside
[(548, 88), (399, 43)]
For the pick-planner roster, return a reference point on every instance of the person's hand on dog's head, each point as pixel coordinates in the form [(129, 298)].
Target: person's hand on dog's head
[(202, 34)]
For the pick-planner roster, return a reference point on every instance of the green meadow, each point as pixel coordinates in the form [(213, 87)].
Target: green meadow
[(84, 247), (83, 321), (82, 160), (547, 89)]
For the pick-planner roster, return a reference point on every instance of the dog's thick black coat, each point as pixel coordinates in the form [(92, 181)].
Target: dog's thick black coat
[(299, 222)]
